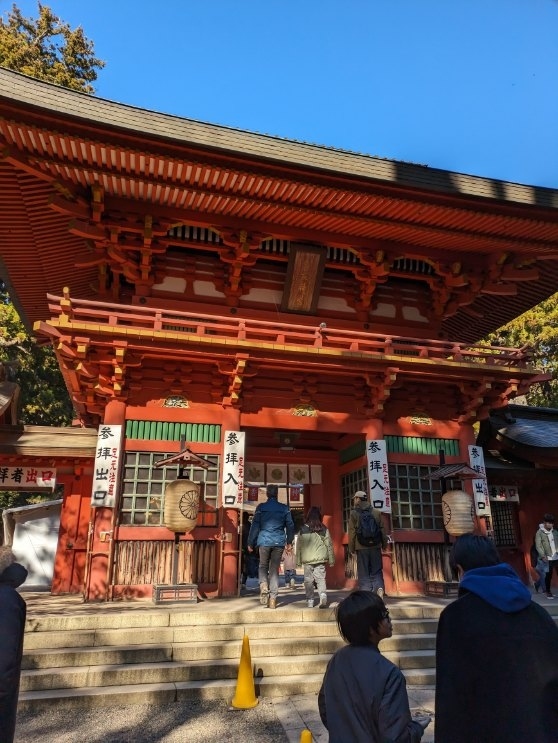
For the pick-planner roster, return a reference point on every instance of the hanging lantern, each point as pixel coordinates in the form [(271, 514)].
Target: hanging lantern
[(458, 511), (182, 503)]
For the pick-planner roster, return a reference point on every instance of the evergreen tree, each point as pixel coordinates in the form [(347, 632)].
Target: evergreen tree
[(44, 399), (538, 329), (48, 49)]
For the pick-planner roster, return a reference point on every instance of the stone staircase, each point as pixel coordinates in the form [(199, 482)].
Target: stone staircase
[(161, 655), (156, 655)]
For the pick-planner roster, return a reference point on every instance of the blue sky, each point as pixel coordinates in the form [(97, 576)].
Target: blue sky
[(464, 85)]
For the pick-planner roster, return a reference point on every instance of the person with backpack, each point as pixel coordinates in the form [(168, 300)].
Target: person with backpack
[(314, 548), (367, 538)]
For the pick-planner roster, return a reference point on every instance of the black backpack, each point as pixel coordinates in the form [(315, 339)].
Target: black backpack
[(368, 531)]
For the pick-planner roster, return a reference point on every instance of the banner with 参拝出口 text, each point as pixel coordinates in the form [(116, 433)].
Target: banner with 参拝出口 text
[(106, 468)]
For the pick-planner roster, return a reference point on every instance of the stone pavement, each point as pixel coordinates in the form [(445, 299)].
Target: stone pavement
[(301, 712), (277, 720)]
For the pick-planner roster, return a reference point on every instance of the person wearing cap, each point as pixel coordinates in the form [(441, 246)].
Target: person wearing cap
[(12, 622), (369, 558)]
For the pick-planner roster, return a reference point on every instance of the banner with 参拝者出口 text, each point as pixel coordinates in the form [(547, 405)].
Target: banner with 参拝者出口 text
[(27, 478)]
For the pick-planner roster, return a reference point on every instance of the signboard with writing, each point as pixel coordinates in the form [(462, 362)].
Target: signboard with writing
[(27, 478), (233, 469), (378, 475), (106, 467), (480, 485)]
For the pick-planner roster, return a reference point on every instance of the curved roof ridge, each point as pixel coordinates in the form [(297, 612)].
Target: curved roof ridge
[(79, 106)]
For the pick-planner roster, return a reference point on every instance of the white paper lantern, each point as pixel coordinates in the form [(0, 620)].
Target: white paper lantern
[(458, 511), (182, 503)]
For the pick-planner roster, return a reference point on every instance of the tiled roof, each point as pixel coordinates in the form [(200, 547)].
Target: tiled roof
[(537, 433), (138, 121)]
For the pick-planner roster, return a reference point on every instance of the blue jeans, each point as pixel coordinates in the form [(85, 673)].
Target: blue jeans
[(369, 568), (268, 571)]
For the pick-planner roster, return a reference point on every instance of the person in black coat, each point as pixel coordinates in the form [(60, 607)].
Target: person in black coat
[(496, 655), (12, 626)]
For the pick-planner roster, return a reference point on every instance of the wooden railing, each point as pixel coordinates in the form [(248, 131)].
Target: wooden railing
[(72, 311)]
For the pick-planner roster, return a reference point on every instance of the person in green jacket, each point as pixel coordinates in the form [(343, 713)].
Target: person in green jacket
[(546, 542), (314, 549)]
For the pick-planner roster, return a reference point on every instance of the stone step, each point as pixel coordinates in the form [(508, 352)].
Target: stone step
[(149, 618), (156, 653), (45, 658), (178, 634), (165, 693), (144, 617), (168, 672), (173, 671)]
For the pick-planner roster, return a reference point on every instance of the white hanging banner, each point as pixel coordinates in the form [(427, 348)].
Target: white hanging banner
[(106, 467), (379, 491), (27, 478), (233, 469), (480, 485)]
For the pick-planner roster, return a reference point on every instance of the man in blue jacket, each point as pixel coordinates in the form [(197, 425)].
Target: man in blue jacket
[(271, 529), (496, 655)]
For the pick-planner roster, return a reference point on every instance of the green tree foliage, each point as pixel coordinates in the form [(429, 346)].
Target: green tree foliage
[(48, 49), (44, 398), (538, 329)]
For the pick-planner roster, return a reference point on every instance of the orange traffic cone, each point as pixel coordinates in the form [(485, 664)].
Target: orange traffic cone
[(245, 695), (306, 736)]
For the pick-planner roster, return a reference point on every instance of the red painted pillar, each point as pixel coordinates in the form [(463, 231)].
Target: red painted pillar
[(100, 549)]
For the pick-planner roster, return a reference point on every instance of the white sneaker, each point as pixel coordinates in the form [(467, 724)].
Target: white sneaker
[(323, 600), (380, 592), (293, 583), (310, 603)]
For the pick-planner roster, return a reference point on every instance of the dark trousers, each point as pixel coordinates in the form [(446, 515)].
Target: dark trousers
[(369, 568), (552, 565)]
